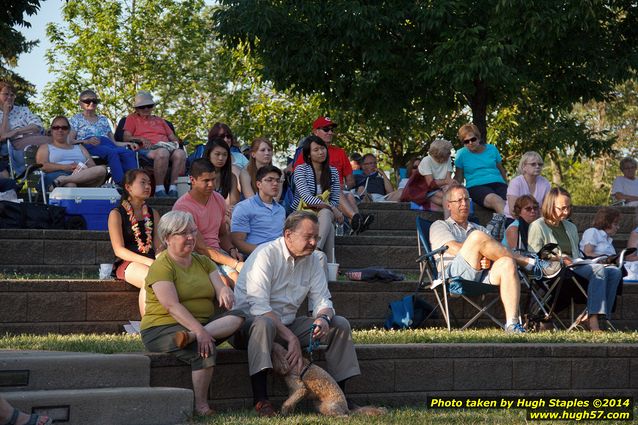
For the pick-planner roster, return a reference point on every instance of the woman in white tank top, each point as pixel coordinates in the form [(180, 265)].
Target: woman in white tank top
[(67, 165)]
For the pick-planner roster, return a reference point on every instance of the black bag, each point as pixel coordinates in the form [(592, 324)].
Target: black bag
[(26, 215)]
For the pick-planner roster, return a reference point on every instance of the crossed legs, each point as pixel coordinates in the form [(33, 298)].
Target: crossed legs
[(504, 272)]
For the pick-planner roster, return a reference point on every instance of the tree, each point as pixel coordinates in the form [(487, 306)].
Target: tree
[(169, 48), (13, 43), (408, 65)]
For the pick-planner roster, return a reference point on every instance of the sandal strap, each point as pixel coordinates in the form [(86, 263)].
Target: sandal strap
[(14, 417)]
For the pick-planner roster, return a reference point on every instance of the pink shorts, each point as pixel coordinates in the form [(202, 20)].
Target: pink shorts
[(121, 269)]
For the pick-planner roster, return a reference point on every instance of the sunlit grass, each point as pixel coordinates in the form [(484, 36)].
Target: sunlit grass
[(123, 343)]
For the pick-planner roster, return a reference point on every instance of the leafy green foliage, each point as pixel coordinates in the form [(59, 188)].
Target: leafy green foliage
[(13, 43), (404, 71), (169, 48)]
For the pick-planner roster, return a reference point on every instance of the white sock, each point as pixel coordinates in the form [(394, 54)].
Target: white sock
[(512, 322), (172, 187), (159, 188)]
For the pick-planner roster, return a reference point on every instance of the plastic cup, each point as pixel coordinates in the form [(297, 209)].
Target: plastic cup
[(333, 269), (105, 271)]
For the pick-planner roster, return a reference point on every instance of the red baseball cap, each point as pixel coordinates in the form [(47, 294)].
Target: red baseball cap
[(323, 122)]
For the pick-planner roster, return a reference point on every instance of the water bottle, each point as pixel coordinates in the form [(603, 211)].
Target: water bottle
[(339, 229)]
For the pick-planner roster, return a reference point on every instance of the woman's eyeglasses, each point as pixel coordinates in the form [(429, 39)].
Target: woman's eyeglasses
[(535, 164), (60, 127), (226, 136), (89, 101), (470, 140), (531, 208)]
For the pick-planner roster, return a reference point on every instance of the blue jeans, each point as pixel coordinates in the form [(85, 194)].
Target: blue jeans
[(602, 288), (119, 159)]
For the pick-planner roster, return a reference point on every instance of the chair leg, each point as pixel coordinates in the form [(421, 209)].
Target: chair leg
[(481, 310)]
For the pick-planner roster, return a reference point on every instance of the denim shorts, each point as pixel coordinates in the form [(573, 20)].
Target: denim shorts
[(459, 267)]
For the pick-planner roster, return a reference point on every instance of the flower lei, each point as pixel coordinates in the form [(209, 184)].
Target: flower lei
[(135, 225)]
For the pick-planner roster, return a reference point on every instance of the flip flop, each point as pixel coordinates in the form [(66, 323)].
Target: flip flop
[(33, 419)]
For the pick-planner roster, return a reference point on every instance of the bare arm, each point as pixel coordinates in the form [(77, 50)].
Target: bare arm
[(246, 184), (458, 175), (117, 241), (502, 170), (511, 236), (42, 157), (239, 240), (167, 296), (349, 180)]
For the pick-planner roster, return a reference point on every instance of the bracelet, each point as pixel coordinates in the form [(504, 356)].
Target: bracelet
[(326, 318)]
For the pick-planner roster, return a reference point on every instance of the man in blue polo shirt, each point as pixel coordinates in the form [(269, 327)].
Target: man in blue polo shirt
[(260, 218)]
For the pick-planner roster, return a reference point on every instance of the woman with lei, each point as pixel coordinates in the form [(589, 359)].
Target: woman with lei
[(133, 233)]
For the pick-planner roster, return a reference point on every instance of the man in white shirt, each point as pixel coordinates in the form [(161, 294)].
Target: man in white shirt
[(277, 278)]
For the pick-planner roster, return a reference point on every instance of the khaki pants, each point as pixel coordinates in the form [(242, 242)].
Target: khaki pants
[(258, 334)]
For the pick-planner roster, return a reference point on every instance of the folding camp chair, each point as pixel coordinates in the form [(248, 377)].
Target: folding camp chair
[(448, 288)]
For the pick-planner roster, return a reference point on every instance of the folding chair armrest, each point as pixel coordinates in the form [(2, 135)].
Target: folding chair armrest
[(623, 254), (440, 250)]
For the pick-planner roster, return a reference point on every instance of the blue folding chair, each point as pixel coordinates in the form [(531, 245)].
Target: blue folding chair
[(447, 288)]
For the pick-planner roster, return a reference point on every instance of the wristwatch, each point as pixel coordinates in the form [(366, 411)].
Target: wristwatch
[(326, 318)]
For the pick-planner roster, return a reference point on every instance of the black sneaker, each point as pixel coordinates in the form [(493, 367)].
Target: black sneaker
[(367, 221), (355, 224)]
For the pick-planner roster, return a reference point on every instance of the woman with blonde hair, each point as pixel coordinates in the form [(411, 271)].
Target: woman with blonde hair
[(553, 227), (480, 165), (528, 182), (437, 170), (260, 156)]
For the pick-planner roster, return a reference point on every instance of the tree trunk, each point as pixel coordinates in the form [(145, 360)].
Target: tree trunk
[(478, 103), (557, 172)]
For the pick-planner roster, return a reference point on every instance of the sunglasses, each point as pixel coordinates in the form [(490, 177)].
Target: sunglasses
[(89, 101), (327, 129), (60, 127), (226, 136), (532, 208), (470, 140), (145, 107)]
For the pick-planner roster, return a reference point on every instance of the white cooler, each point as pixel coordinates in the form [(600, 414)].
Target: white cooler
[(92, 203)]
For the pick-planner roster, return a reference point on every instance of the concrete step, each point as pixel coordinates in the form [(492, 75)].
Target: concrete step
[(108, 406), (52, 370)]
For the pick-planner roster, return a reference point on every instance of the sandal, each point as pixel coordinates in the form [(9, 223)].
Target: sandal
[(33, 419), (53, 185)]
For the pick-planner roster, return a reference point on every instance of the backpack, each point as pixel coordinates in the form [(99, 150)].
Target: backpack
[(408, 313)]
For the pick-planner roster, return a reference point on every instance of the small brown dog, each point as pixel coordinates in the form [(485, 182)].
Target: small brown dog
[(317, 384)]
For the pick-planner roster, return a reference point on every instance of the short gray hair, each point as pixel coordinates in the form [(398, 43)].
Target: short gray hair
[(626, 161), (527, 156), (440, 149), (454, 188), (294, 219), (88, 92), (174, 222)]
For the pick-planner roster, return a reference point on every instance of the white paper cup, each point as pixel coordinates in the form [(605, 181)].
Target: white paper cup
[(333, 268), (105, 271)]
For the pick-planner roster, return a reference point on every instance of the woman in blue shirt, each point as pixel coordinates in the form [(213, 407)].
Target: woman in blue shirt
[(480, 165)]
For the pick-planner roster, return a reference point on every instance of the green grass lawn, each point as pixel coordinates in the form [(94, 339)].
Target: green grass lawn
[(403, 416), (122, 343)]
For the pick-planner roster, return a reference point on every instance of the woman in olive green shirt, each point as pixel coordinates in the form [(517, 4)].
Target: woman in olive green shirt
[(180, 287)]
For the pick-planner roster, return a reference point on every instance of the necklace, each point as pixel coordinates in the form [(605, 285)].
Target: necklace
[(135, 225)]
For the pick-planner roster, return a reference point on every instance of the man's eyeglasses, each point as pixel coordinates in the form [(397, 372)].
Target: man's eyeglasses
[(60, 127), (89, 101), (461, 200), (271, 180), (327, 129), (315, 238), (145, 107), (470, 140)]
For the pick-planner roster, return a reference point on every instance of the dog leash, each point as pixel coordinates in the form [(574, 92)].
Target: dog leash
[(312, 345)]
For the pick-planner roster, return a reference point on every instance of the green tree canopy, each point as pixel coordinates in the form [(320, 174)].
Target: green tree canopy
[(411, 65), (13, 42)]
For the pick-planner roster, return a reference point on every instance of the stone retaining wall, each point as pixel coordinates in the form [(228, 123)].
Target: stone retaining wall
[(398, 375), (85, 306)]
